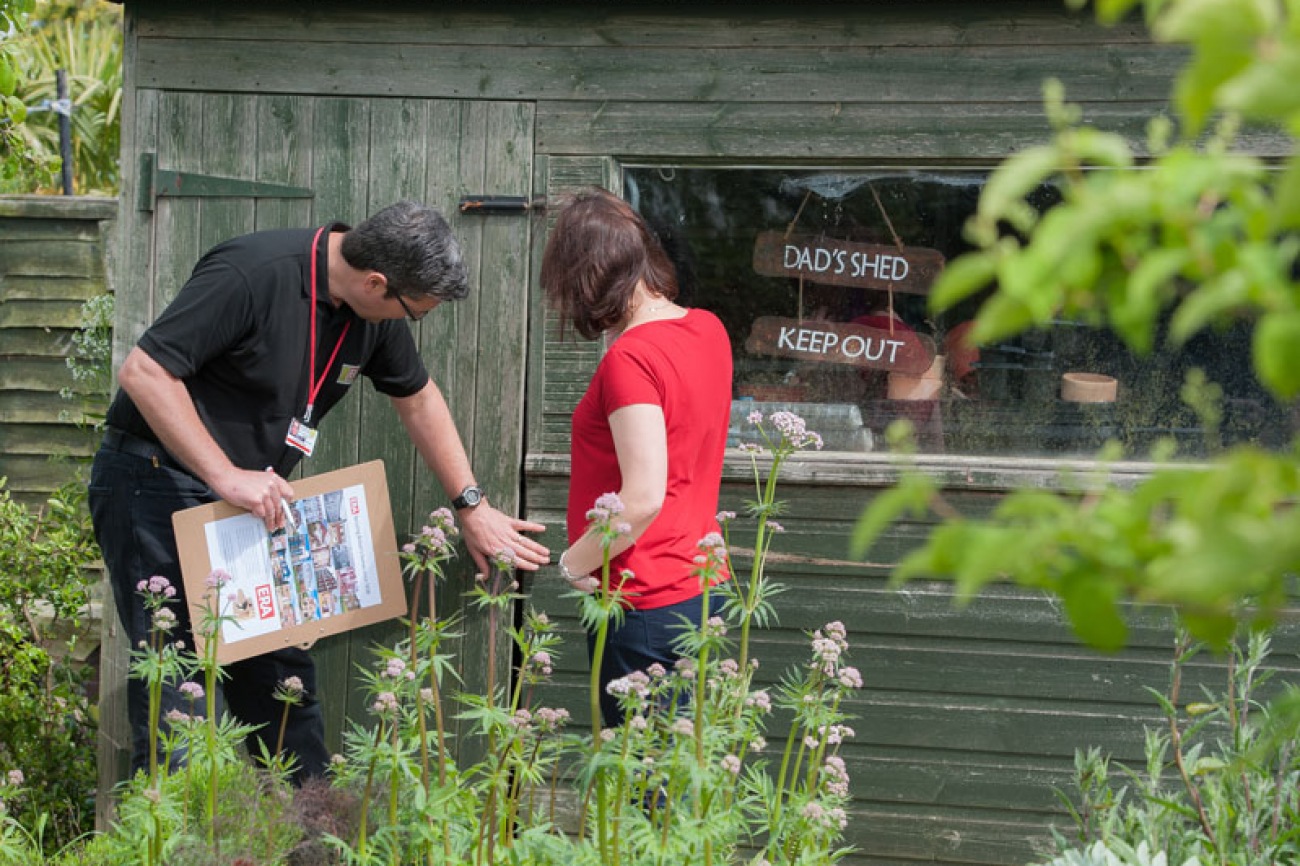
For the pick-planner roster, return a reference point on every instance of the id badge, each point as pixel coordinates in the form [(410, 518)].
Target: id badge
[(301, 436)]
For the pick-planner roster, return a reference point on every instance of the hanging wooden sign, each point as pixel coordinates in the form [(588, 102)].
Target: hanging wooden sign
[(845, 263), (904, 351)]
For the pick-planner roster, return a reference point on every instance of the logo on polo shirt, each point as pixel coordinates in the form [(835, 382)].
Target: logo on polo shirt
[(348, 373)]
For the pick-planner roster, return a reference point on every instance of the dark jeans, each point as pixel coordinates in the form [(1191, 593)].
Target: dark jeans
[(132, 499), (646, 637)]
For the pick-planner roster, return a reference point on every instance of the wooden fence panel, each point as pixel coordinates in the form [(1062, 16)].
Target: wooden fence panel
[(51, 263)]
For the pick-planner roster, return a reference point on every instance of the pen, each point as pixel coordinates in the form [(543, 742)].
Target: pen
[(290, 521)]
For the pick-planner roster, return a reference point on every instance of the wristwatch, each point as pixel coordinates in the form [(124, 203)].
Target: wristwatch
[(468, 498)]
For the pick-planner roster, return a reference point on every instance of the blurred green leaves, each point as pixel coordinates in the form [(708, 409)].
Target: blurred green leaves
[(83, 38), (1192, 231)]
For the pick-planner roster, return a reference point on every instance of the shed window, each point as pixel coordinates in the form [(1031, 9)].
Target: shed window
[(821, 277)]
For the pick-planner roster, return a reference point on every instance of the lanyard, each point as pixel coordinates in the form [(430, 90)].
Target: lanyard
[(313, 384)]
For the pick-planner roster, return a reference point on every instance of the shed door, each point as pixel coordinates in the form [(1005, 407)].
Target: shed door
[(358, 155)]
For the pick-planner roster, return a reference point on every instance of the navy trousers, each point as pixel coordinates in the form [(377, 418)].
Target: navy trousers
[(646, 637), (132, 499)]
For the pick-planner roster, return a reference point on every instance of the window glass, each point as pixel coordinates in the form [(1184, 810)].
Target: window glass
[(821, 277)]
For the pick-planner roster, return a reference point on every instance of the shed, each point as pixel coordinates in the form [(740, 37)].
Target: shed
[(860, 128)]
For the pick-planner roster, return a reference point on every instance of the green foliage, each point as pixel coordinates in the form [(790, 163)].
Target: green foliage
[(1198, 236), (1220, 781), (686, 779), (47, 730), (1100, 854), (83, 38), (18, 162), (91, 361)]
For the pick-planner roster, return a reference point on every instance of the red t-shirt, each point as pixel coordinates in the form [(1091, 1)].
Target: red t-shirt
[(683, 366)]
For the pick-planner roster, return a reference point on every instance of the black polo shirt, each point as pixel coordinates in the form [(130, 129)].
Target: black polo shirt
[(237, 336)]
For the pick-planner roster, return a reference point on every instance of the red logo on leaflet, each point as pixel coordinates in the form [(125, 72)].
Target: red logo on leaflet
[(265, 605), (355, 506)]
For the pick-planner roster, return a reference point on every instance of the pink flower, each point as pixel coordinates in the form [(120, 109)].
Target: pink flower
[(15, 778), (164, 619), (541, 661), (610, 502), (760, 701), (385, 703), (218, 578), (193, 691), (549, 719), (731, 764)]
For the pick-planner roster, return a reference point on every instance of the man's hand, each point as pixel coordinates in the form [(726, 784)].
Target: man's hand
[(488, 532), (258, 492)]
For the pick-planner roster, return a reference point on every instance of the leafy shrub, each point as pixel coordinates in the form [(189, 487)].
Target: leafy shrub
[(687, 778), (47, 727), (85, 40), (1099, 854), (1221, 783)]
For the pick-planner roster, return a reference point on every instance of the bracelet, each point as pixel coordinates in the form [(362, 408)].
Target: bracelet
[(566, 574)]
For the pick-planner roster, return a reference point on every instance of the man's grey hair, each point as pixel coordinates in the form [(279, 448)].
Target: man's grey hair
[(413, 247)]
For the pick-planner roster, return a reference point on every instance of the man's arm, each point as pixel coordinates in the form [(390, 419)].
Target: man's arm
[(487, 531), (166, 405)]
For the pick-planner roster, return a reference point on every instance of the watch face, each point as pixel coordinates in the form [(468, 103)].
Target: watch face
[(468, 498)]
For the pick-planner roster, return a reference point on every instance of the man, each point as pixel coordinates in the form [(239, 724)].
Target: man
[(221, 399)]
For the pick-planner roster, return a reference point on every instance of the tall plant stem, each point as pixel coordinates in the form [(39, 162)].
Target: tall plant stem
[(210, 725), (436, 700), (516, 792), (363, 828), (597, 658), (701, 669), (767, 496), (394, 785), (780, 780), (1176, 741), (413, 661), (437, 696)]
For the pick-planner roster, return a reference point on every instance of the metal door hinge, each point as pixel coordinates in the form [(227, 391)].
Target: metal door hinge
[(158, 182)]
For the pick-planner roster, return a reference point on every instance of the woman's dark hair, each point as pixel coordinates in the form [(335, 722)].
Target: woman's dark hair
[(599, 248)]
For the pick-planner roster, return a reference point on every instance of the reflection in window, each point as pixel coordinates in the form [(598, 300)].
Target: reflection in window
[(821, 278)]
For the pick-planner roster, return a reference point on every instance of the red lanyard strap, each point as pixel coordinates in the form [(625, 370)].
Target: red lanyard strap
[(314, 384)]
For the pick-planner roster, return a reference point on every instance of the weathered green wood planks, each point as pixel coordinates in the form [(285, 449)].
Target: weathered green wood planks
[(358, 156), (51, 262)]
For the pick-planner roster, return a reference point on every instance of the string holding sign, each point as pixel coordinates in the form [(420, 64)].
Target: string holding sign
[(789, 230), (898, 242)]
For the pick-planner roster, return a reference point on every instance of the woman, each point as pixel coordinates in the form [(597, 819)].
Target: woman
[(652, 425)]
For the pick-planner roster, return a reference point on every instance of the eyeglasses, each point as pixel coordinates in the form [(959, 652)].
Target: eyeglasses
[(411, 314)]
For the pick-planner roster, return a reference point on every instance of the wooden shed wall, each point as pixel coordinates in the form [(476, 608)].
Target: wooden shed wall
[(970, 716), (51, 263)]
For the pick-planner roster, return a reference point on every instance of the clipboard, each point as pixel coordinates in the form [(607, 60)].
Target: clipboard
[(336, 571)]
